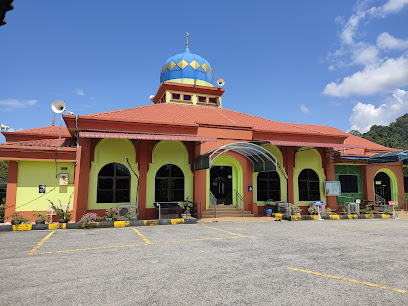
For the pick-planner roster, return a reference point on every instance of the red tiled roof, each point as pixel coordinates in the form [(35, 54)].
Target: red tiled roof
[(313, 144), (47, 130), (65, 142), (350, 140), (196, 114), (145, 136), (189, 114)]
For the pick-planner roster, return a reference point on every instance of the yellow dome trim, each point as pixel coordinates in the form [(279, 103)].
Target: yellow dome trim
[(205, 67), (171, 65), (182, 64), (164, 68), (195, 65)]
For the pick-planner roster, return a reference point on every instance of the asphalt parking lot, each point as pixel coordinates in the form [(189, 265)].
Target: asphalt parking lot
[(345, 262)]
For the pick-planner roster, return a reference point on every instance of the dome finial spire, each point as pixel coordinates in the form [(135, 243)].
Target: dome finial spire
[(187, 35)]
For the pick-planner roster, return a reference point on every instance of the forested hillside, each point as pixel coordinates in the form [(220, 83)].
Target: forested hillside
[(394, 136)]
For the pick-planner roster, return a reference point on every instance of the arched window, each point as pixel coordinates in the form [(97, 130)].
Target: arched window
[(309, 189), (169, 184), (268, 186), (113, 184)]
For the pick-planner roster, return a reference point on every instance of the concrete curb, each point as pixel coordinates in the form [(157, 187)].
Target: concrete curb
[(54, 226), (332, 217)]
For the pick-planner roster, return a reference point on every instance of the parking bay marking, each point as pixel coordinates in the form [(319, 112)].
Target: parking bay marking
[(40, 243), (349, 280), (147, 242), (142, 236), (373, 226), (217, 229)]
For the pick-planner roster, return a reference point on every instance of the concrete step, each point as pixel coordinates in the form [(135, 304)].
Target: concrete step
[(205, 216), (223, 207), (225, 211), (402, 214)]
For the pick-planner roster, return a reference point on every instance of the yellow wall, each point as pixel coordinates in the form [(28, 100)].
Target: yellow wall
[(274, 150), (168, 152), (112, 151), (308, 159), (31, 174)]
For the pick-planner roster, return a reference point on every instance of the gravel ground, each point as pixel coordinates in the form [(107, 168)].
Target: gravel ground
[(200, 265)]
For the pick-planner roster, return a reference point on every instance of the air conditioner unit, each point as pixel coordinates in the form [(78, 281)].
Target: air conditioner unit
[(124, 209)]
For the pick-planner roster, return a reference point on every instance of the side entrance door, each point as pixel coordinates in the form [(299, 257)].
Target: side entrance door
[(221, 184), (382, 185)]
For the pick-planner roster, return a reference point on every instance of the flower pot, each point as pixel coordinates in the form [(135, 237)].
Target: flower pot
[(132, 218), (39, 221), (63, 221), (109, 219)]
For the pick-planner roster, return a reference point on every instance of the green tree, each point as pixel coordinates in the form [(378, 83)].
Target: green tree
[(3, 171), (393, 136)]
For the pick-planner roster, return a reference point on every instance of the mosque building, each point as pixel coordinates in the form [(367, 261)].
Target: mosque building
[(186, 148)]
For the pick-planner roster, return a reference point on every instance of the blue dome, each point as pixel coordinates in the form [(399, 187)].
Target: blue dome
[(186, 66)]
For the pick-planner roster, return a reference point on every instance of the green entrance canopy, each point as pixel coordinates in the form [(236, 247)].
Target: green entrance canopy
[(389, 157), (261, 158)]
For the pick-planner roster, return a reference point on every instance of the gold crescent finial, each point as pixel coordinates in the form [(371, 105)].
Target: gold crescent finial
[(187, 34)]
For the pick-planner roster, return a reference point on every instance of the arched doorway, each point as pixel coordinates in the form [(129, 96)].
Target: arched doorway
[(221, 184), (382, 186)]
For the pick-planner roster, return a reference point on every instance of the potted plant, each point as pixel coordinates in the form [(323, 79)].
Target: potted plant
[(296, 210), (132, 214), (2, 210), (88, 220), (17, 219), (329, 211), (42, 217), (111, 214), (186, 211), (64, 215), (388, 211), (313, 210), (367, 209)]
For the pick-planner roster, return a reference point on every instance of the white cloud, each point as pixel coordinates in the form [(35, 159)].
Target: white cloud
[(304, 109), (365, 115), (331, 67), (14, 104), (390, 74), (360, 53), (79, 92), (365, 55), (350, 28), (392, 6), (386, 41)]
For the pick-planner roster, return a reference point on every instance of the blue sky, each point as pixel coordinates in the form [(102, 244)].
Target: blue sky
[(341, 63)]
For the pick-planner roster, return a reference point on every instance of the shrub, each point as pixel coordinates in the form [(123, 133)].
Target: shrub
[(17, 219), (111, 213), (61, 213), (89, 217), (41, 216), (296, 210), (313, 210), (2, 210)]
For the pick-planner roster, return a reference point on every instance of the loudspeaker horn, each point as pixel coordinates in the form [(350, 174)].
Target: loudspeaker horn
[(151, 98), (58, 106), (221, 82)]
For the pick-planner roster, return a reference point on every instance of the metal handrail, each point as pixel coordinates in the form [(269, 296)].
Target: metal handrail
[(380, 200), (240, 199), (213, 202)]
